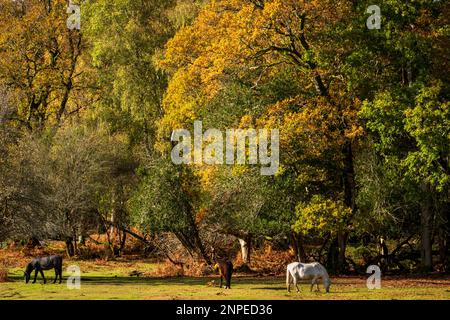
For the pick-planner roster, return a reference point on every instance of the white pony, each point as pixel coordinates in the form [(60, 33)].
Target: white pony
[(297, 270)]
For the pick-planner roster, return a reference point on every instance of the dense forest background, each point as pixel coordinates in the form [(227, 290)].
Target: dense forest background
[(364, 117)]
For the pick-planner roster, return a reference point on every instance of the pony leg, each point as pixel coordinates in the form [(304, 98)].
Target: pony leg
[(313, 282), (43, 277), (60, 274), (288, 281), (35, 275), (296, 284), (228, 281)]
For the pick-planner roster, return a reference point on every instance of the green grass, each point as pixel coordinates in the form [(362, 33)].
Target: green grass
[(114, 283)]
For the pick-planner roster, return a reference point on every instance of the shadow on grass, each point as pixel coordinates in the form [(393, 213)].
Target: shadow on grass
[(156, 281), (123, 280), (259, 283), (271, 288)]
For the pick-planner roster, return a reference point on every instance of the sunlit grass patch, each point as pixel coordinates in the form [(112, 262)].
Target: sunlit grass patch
[(109, 282)]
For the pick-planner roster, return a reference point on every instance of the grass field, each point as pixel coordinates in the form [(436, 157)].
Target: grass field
[(107, 282)]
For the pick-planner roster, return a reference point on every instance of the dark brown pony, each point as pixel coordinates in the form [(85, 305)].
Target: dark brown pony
[(225, 271)]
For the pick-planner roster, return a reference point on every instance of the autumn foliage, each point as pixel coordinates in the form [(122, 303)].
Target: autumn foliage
[(87, 115)]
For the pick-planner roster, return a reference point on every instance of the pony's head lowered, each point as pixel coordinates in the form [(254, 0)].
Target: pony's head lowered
[(327, 284), (27, 272)]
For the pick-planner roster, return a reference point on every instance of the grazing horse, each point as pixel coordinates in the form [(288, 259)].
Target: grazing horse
[(297, 270), (45, 263), (225, 270)]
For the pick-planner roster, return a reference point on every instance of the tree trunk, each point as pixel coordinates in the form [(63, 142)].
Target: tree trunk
[(349, 177), (69, 247), (123, 241), (342, 245), (384, 254), (426, 219), (447, 253), (332, 258), (298, 246), (442, 248), (324, 244), (75, 245), (82, 240), (113, 220), (444, 234), (245, 249), (301, 248), (195, 235), (110, 243), (349, 186), (199, 247)]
